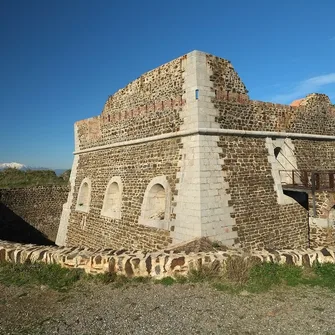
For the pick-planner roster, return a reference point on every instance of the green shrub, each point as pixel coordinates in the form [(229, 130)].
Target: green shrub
[(166, 281)]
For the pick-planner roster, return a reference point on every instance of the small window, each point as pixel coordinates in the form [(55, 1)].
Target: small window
[(113, 199), (84, 196)]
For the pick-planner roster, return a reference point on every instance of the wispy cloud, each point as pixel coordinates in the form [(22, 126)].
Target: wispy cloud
[(305, 87), (332, 38)]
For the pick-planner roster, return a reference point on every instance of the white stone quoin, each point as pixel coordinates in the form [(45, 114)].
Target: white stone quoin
[(202, 201), (64, 220)]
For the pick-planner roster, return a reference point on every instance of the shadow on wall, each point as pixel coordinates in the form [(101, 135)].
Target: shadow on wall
[(13, 228), (300, 197)]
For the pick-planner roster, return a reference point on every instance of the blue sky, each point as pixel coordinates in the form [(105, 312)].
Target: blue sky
[(60, 60)]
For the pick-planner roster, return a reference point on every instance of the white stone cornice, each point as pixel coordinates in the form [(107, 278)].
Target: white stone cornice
[(210, 131)]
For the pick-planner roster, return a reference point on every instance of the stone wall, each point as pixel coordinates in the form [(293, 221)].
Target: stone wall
[(148, 106), (321, 236), (153, 119), (260, 220), (162, 83), (224, 77), (28, 214), (243, 114), (155, 265), (315, 155), (318, 156), (136, 165)]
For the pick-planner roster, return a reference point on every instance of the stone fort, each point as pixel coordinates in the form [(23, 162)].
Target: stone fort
[(182, 153)]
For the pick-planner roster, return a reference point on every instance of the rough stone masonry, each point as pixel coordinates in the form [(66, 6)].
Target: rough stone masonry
[(31, 214), (159, 264), (182, 152)]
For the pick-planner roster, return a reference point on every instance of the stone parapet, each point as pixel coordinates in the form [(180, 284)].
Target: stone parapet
[(137, 263)]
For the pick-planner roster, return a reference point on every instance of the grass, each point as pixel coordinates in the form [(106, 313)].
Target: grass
[(240, 275), (237, 276), (49, 275), (166, 281), (57, 278), (12, 178), (264, 276)]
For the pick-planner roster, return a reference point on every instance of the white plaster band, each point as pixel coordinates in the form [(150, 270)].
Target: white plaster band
[(210, 131)]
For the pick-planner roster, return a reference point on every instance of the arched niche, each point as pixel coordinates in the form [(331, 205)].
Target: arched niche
[(84, 196), (156, 206), (331, 216), (113, 199)]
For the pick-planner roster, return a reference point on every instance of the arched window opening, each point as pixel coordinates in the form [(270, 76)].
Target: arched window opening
[(84, 196), (113, 199)]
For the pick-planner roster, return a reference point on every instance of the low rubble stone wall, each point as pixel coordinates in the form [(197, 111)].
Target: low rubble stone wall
[(154, 264)]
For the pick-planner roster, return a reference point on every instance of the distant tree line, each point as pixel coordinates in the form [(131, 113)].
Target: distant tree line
[(11, 177)]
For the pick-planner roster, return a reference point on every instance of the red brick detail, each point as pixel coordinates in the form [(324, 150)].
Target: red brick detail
[(155, 106)]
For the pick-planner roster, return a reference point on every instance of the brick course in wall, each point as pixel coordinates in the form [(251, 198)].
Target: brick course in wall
[(149, 120)]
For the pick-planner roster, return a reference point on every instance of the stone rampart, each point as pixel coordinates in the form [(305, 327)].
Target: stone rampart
[(194, 156), (155, 264)]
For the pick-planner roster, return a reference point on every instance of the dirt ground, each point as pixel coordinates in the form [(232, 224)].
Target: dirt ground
[(92, 308)]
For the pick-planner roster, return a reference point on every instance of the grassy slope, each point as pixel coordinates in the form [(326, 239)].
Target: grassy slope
[(12, 178)]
